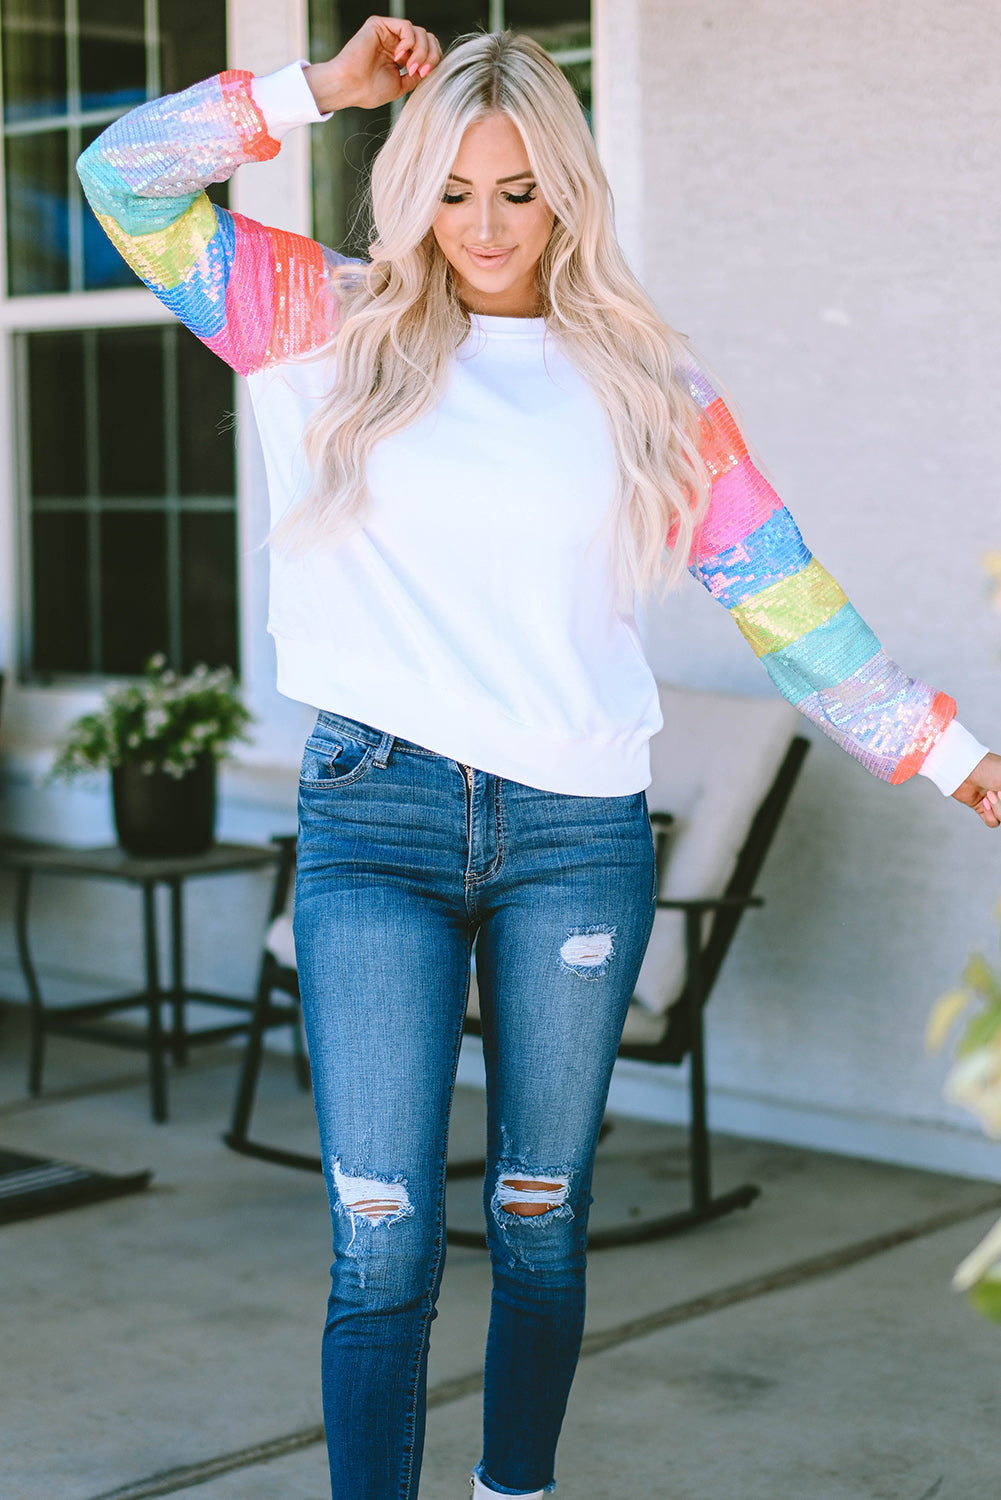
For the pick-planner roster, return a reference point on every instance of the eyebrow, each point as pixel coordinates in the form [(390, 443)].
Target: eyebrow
[(515, 177)]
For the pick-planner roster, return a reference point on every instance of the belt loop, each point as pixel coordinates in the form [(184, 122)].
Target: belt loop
[(381, 756)]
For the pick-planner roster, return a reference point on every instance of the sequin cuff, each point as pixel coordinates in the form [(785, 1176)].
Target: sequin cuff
[(248, 121), (952, 758), (285, 100)]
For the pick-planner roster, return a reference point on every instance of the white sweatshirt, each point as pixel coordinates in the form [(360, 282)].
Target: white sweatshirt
[(474, 612)]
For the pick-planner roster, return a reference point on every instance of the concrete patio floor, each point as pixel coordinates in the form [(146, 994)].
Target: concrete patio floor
[(807, 1349)]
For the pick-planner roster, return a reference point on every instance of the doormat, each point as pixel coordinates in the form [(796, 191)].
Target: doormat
[(33, 1185)]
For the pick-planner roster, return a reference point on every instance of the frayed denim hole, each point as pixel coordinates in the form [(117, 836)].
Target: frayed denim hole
[(375, 1202), (555, 1195), (587, 951)]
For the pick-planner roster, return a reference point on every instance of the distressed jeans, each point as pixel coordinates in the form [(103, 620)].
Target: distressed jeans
[(408, 863)]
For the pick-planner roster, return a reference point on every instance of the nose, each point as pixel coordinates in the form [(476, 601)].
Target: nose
[(487, 219)]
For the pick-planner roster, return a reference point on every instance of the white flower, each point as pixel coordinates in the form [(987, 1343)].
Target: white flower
[(974, 1081), (154, 720), (983, 1261)]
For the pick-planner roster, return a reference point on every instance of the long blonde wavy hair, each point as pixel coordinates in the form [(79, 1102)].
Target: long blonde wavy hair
[(401, 319)]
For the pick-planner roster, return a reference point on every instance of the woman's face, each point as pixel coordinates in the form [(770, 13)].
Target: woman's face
[(493, 224)]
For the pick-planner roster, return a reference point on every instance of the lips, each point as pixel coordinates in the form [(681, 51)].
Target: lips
[(489, 260)]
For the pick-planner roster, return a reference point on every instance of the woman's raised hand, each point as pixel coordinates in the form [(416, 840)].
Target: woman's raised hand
[(383, 61), (981, 790)]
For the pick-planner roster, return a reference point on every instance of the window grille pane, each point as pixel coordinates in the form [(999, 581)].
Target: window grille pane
[(208, 589), (112, 53), (192, 42), (206, 441), (134, 588), (130, 399), (38, 213), (61, 594), (559, 25), (450, 18), (130, 507), (34, 59), (57, 448)]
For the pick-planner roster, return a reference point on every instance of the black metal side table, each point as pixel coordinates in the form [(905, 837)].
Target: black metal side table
[(89, 1019)]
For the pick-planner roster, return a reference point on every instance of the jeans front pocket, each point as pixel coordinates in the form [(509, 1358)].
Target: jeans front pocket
[(334, 759)]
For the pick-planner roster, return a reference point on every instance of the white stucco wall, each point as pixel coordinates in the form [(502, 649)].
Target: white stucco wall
[(810, 192)]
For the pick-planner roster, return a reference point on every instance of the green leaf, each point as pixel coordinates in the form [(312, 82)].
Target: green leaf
[(981, 1031), (978, 975), (944, 1014), (985, 1298)]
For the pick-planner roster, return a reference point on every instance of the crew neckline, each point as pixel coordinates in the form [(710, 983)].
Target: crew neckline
[(491, 323)]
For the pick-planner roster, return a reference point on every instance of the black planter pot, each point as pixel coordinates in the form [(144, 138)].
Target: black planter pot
[(157, 814)]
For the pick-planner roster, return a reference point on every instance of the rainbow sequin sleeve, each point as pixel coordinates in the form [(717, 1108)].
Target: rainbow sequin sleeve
[(254, 295), (816, 649)]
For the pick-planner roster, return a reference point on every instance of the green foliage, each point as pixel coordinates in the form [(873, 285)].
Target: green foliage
[(985, 1297), (974, 1081), (981, 1030), (980, 987), (164, 721), (978, 975)]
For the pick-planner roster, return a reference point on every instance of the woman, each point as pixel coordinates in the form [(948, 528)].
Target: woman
[(475, 450)]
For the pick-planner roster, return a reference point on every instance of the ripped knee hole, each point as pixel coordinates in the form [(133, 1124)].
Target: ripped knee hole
[(528, 1196), (371, 1198), (375, 1208)]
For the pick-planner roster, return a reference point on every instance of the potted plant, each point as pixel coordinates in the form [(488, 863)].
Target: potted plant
[(161, 738)]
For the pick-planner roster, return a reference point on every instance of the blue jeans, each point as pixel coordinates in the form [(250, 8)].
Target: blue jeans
[(407, 862)]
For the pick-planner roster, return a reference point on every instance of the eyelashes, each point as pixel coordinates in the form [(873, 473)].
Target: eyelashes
[(528, 197)]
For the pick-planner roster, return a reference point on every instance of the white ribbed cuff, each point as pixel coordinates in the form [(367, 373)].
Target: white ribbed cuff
[(952, 758), (286, 100)]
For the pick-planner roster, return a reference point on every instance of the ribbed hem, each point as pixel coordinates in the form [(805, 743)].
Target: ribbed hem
[(475, 733), (285, 100), (952, 758)]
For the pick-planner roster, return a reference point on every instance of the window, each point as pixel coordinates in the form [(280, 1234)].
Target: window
[(70, 67), (125, 457), (343, 149), (130, 505)]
